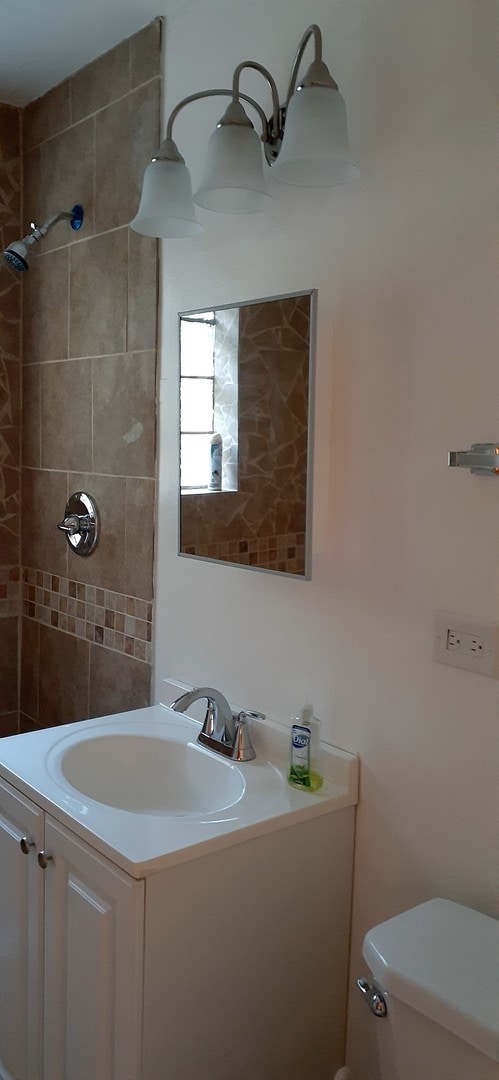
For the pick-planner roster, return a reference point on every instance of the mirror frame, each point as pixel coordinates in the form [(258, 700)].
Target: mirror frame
[(312, 294)]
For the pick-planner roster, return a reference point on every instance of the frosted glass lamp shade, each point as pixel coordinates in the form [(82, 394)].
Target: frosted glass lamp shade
[(166, 208), (314, 151), (233, 182)]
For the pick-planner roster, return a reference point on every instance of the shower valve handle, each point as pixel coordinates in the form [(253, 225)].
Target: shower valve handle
[(72, 525), (80, 523), (76, 523)]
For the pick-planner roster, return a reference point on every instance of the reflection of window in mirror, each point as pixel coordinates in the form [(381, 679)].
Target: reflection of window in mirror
[(208, 398)]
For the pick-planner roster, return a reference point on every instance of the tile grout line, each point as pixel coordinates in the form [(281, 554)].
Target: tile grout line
[(83, 119), (87, 472), (92, 356)]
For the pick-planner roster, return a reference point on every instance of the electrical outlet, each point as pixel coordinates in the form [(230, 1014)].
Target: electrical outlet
[(469, 645)]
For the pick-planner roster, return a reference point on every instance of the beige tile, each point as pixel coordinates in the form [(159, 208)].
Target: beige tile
[(9, 540), (100, 82), (64, 669), (98, 295), (30, 647), (10, 217), (10, 309), (139, 544), (31, 416), (27, 724), (127, 134), (9, 724), (66, 415), (67, 175), (45, 308), (145, 53), (143, 277), (34, 195), (46, 116), (124, 414), (10, 500), (105, 567), (10, 447), (8, 666), (11, 183), (44, 546), (10, 126), (117, 683), (10, 394)]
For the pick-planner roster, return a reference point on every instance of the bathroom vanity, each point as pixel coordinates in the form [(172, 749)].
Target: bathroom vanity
[(197, 935)]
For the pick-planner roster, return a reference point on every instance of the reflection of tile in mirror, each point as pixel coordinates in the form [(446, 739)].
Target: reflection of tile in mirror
[(259, 519)]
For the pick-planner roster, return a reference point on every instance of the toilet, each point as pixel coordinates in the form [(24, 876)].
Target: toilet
[(434, 993)]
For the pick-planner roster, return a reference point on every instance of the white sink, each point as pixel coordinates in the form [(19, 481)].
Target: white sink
[(139, 787), (151, 775)]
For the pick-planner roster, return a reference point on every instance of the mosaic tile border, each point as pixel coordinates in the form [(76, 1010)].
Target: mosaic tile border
[(285, 553), (119, 622)]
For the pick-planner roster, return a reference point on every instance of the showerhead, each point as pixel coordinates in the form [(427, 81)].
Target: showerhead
[(16, 254)]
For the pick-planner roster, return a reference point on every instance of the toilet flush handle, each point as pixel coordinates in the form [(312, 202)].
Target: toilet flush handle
[(374, 998)]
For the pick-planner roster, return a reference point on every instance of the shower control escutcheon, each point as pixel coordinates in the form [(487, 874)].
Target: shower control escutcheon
[(81, 523)]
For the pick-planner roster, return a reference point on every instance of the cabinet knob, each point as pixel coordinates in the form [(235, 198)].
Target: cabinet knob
[(44, 859), (26, 844)]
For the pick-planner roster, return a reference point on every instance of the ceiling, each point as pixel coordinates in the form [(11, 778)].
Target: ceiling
[(44, 41)]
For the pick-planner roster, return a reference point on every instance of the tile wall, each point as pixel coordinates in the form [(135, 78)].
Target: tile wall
[(10, 421), (89, 336)]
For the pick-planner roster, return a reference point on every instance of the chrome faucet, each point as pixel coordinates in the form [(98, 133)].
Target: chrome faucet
[(223, 731)]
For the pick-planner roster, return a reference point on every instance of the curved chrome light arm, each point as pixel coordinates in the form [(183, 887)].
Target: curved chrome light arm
[(213, 93), (272, 128), (314, 31), (324, 78)]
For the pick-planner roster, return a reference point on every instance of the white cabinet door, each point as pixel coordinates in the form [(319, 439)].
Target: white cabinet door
[(21, 937), (94, 918)]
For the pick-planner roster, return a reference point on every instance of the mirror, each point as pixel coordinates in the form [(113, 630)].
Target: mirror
[(246, 433)]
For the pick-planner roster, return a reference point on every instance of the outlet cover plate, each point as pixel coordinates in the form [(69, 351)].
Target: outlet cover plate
[(467, 644)]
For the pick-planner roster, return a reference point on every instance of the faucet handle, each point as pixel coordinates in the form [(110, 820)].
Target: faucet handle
[(243, 749)]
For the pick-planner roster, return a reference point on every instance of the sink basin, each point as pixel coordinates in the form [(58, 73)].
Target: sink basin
[(141, 790), (151, 774)]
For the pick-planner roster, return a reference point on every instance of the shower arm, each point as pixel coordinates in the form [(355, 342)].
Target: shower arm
[(74, 216), (39, 231)]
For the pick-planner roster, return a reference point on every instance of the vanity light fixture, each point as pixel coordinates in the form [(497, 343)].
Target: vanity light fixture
[(305, 142)]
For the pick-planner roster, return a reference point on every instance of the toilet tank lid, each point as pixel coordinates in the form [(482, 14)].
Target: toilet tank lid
[(442, 959)]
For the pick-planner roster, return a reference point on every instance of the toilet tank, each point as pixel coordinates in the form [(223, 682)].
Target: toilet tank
[(437, 967)]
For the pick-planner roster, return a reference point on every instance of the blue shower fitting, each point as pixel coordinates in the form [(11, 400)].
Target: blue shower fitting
[(75, 217)]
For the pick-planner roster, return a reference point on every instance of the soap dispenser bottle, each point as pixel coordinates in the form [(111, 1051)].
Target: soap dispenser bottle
[(305, 765)]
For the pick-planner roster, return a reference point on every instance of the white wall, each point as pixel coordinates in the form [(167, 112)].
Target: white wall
[(403, 261)]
